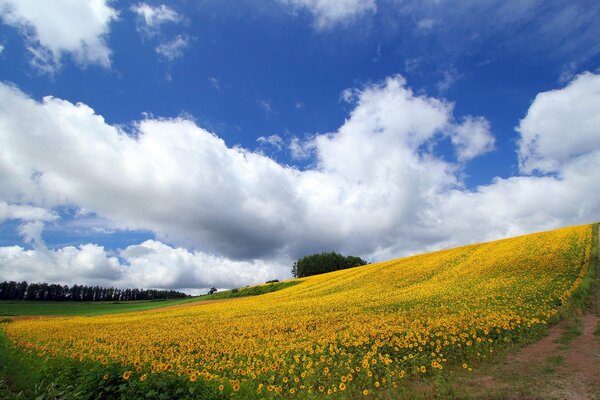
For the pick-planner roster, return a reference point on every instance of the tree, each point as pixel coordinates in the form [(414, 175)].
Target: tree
[(324, 262), (212, 290)]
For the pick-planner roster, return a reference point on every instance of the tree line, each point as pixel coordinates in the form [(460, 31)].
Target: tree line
[(315, 264), (44, 291)]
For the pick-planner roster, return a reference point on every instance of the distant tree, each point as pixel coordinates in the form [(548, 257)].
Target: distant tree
[(324, 262), (44, 291), (212, 290)]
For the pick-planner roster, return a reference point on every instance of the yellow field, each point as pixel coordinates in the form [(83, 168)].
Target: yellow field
[(360, 330)]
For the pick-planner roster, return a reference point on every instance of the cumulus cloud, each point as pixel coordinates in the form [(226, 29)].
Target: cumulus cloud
[(86, 264), (153, 264), (376, 187), (54, 28), (327, 13), (150, 19), (150, 264), (561, 125), (472, 138), (25, 213)]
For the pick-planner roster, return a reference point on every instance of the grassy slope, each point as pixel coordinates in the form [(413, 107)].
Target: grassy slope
[(76, 308), (250, 291), (88, 308)]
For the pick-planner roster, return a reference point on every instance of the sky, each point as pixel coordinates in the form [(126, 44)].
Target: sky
[(191, 144)]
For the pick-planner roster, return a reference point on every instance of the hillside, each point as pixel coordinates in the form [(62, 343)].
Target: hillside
[(363, 331)]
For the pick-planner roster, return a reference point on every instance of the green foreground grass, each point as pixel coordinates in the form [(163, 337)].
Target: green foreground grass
[(10, 308)]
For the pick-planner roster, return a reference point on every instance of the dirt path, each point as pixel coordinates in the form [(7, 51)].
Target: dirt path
[(564, 365)]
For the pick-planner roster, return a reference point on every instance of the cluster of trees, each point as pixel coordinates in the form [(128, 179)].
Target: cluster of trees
[(324, 262), (44, 291)]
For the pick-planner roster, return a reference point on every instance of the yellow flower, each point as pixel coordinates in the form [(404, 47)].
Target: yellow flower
[(126, 375)]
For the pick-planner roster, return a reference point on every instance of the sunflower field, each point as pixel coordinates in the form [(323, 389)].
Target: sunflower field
[(347, 334)]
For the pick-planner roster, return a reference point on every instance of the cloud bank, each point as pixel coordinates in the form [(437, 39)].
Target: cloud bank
[(377, 188), (150, 264)]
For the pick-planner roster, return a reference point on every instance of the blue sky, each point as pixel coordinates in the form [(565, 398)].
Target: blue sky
[(191, 144)]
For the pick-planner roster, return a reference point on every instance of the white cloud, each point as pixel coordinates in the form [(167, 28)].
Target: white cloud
[(54, 28), (472, 138), (149, 24), (327, 13), (154, 264), (25, 213), (172, 50), (300, 150), (151, 18), (376, 189), (32, 233), (561, 125), (274, 140), (150, 264), (1, 48), (86, 264)]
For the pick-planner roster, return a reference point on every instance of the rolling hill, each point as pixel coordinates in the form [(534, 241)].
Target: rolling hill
[(359, 332)]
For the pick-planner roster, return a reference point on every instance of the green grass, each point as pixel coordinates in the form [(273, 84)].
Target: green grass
[(250, 291), (555, 360), (9, 308), (81, 308), (570, 332), (582, 298)]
